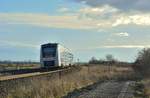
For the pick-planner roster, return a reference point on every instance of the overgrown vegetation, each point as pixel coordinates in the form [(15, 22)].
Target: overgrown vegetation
[(108, 60), (139, 90), (60, 86), (142, 66)]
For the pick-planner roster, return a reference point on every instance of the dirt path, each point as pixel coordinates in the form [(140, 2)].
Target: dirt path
[(111, 89)]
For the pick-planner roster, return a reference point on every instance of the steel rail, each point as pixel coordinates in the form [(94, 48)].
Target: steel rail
[(18, 76)]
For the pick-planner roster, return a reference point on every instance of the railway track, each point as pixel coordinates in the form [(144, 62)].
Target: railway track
[(23, 71), (109, 89), (38, 72)]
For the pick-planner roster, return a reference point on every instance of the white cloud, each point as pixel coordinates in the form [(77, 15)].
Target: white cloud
[(122, 34), (85, 18), (98, 10), (43, 20), (108, 17), (138, 19)]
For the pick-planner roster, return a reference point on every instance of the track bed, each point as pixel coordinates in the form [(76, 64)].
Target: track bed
[(110, 89)]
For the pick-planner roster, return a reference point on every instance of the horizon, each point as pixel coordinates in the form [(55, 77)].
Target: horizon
[(88, 28)]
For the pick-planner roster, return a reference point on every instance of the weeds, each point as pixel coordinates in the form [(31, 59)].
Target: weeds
[(57, 87), (139, 90)]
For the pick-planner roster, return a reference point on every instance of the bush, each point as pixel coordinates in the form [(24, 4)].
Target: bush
[(142, 63)]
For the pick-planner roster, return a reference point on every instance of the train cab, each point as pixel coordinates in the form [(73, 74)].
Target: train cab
[(55, 55)]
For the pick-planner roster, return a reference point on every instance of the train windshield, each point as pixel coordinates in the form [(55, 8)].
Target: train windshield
[(49, 52)]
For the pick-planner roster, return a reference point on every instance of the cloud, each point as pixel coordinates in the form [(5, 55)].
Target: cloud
[(122, 34), (138, 19), (99, 14), (125, 5), (86, 18), (44, 20), (99, 10), (108, 17)]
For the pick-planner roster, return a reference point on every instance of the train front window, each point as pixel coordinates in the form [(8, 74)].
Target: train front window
[(49, 52)]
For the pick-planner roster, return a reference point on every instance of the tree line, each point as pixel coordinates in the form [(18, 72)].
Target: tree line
[(108, 60), (141, 64)]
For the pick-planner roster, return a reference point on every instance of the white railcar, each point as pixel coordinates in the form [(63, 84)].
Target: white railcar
[(55, 55)]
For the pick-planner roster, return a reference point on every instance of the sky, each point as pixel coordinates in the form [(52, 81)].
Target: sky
[(87, 27)]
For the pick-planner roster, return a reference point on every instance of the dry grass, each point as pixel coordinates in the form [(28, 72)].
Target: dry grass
[(60, 86), (17, 66), (146, 83)]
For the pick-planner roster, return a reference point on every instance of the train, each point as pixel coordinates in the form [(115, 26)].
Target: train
[(55, 55)]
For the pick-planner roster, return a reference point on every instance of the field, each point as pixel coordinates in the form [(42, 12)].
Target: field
[(60, 86), (17, 66)]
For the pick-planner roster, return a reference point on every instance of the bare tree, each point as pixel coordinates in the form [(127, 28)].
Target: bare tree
[(93, 60), (109, 57), (142, 62)]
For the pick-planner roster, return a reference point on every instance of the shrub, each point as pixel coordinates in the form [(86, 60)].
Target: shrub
[(142, 63)]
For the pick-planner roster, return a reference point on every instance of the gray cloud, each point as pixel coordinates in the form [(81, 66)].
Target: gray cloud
[(126, 5)]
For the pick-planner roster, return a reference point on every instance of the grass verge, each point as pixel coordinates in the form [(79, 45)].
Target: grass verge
[(57, 87)]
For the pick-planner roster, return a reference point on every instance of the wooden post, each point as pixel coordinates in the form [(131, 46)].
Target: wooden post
[(59, 74)]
